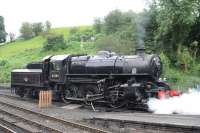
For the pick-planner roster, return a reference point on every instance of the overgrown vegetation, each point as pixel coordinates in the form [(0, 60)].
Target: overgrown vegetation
[(54, 42), (177, 77)]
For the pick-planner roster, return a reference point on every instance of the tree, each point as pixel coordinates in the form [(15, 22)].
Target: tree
[(121, 32), (26, 30), (12, 37), (2, 30), (114, 43), (113, 21), (193, 39), (37, 28), (98, 25), (47, 25), (151, 27), (175, 19)]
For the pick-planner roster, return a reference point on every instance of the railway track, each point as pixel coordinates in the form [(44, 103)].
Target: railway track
[(119, 125), (60, 104), (30, 100), (6, 129), (18, 98), (8, 126), (42, 122), (148, 123)]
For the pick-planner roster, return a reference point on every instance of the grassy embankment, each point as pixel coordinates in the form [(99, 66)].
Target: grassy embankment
[(19, 53)]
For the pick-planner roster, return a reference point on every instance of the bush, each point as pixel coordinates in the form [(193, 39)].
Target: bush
[(185, 59), (3, 62), (4, 71), (77, 34), (75, 37), (196, 69), (99, 36), (166, 63), (54, 42), (73, 30)]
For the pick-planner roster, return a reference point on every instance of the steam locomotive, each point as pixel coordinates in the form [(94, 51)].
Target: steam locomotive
[(117, 80)]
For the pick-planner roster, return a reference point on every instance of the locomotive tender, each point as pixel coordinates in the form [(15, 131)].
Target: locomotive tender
[(115, 79)]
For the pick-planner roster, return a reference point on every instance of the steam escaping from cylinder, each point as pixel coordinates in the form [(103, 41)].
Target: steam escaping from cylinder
[(188, 104)]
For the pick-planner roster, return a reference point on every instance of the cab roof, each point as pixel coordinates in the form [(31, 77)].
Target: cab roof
[(28, 70), (59, 57)]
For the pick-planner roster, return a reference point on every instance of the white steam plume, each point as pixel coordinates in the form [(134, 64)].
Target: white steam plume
[(141, 21), (187, 103)]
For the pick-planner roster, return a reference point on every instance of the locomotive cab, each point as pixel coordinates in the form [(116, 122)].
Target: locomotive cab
[(58, 68)]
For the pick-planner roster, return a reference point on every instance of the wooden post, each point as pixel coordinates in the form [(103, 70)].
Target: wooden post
[(45, 98), (50, 97), (40, 99)]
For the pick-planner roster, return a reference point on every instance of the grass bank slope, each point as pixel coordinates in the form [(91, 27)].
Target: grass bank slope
[(18, 54)]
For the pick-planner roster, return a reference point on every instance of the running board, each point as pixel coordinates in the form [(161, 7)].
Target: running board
[(76, 99), (95, 97), (89, 98)]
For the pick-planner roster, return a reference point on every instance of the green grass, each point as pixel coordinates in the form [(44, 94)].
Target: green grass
[(62, 30), (21, 52), (19, 46)]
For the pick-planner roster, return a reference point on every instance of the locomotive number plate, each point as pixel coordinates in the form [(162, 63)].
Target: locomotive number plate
[(134, 70)]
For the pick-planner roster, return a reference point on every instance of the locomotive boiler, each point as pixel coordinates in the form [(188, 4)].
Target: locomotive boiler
[(117, 80)]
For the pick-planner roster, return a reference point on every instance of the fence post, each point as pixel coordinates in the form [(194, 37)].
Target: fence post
[(45, 98)]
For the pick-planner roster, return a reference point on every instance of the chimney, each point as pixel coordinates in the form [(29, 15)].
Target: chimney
[(140, 51)]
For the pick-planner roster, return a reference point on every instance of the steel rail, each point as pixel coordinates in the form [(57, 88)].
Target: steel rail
[(6, 129), (62, 121), (30, 122)]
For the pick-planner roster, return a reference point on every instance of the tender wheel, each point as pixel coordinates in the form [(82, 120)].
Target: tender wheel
[(21, 95), (117, 99), (71, 91), (20, 92)]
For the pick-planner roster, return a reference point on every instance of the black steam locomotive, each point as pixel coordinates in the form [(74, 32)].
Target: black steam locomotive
[(117, 80)]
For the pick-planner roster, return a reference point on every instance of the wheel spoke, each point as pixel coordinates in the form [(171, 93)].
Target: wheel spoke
[(71, 91), (117, 99)]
